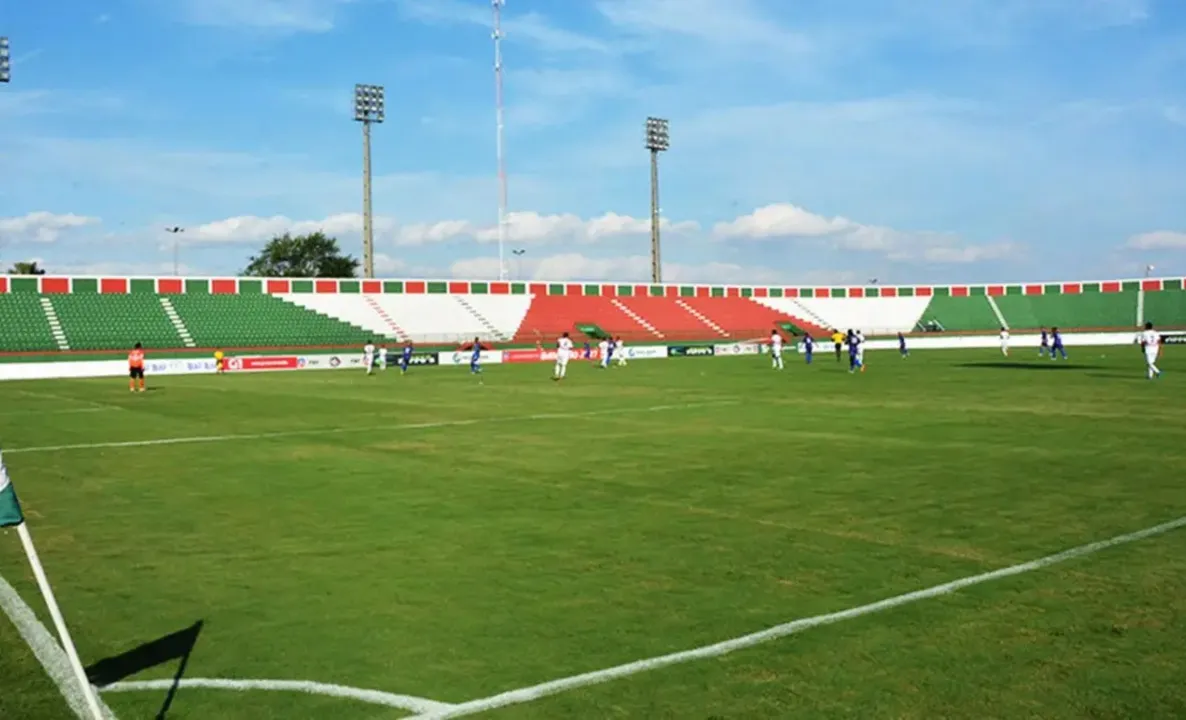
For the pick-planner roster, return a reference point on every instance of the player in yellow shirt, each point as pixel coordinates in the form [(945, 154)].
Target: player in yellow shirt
[(219, 362), (838, 341)]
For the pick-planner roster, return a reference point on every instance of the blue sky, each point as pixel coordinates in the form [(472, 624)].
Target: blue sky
[(812, 141)]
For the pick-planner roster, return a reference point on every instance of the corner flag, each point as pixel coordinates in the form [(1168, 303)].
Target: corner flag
[(11, 516), (10, 507)]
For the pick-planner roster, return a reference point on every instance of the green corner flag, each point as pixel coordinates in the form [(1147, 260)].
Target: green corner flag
[(10, 507)]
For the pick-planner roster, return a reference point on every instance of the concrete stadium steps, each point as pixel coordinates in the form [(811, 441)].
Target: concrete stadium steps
[(671, 319), (1095, 310), (743, 318), (551, 315), (873, 316), (794, 312), (423, 318)]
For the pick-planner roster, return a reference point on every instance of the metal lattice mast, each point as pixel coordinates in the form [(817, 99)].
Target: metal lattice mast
[(499, 147)]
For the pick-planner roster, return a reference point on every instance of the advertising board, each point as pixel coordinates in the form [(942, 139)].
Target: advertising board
[(736, 349), (690, 351), (461, 357)]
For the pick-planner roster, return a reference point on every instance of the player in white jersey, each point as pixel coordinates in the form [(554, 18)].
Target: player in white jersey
[(368, 356), (776, 350), (1151, 342), (603, 353), (861, 349), (382, 357), (621, 352), (563, 353), (1004, 342)]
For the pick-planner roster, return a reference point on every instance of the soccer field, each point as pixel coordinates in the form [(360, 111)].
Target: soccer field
[(430, 537)]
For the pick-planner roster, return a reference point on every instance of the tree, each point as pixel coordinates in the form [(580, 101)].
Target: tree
[(312, 255), (25, 268)]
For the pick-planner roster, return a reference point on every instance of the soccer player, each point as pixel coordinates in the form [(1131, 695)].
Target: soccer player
[(775, 350), (405, 358), (475, 358), (563, 353), (383, 357), (854, 357), (1056, 344), (1151, 343), (1045, 346), (136, 367), (838, 339), (368, 356), (588, 350), (621, 353), (1004, 342), (902, 346), (219, 362), (861, 350), (603, 353), (808, 346)]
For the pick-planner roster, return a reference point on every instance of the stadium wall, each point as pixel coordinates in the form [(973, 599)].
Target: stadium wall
[(55, 284)]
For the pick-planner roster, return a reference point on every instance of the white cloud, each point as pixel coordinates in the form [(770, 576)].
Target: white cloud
[(532, 27), (251, 228), (312, 16), (527, 228), (785, 221), (1158, 240), (782, 220), (41, 227)]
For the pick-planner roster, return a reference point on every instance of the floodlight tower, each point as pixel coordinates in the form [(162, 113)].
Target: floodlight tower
[(175, 230), (368, 108), (658, 140), (498, 117), (4, 65)]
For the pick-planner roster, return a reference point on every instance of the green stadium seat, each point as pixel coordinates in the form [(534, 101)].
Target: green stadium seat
[(23, 325), (259, 321)]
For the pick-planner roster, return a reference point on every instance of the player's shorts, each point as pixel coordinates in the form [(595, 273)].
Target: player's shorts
[(776, 351), (563, 358), (136, 372), (1151, 355)]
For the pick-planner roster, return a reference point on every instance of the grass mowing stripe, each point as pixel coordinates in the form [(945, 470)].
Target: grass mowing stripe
[(47, 651), (373, 697), (535, 692), (367, 428)]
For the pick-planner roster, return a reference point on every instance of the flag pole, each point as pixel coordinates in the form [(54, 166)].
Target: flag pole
[(56, 613)]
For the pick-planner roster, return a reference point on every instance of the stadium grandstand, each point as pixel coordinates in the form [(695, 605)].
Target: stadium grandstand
[(52, 315)]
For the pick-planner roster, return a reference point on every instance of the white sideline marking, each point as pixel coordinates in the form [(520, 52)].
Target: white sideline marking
[(369, 428), (47, 651), (374, 697), (535, 692)]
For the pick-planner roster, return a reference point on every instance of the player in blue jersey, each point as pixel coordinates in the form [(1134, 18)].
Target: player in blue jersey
[(475, 366), (1045, 346), (902, 346), (588, 350), (405, 358), (854, 352), (808, 347), (1056, 344)]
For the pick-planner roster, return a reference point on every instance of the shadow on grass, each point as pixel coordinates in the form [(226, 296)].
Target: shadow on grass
[(175, 646), (1036, 367)]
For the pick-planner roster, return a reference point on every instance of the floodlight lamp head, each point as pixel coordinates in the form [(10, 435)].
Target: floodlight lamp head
[(4, 66), (658, 139), (368, 103)]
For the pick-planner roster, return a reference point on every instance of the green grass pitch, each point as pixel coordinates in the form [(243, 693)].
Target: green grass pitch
[(572, 527)]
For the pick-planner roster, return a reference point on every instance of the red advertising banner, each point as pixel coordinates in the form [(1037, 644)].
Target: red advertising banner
[(268, 362), (521, 356)]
